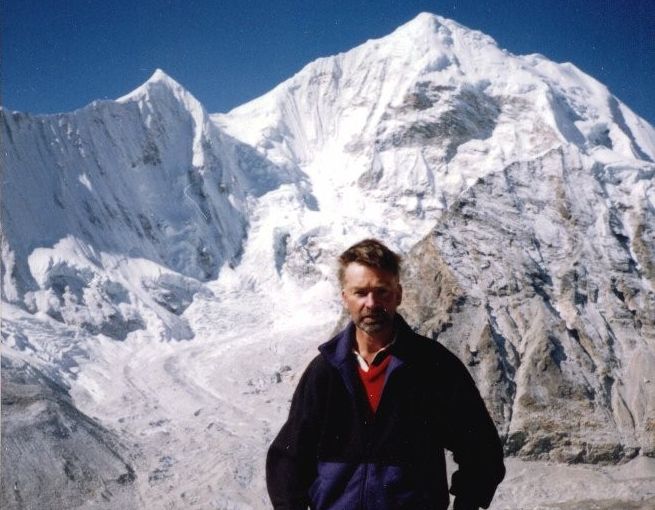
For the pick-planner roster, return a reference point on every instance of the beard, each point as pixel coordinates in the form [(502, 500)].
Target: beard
[(374, 321)]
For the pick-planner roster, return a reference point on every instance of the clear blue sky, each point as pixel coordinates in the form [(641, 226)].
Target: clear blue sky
[(58, 55)]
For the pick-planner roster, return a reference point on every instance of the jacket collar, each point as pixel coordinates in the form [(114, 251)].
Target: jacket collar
[(338, 350)]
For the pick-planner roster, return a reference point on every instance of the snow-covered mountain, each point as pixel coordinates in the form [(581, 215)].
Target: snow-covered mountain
[(435, 124), (416, 117), (167, 274)]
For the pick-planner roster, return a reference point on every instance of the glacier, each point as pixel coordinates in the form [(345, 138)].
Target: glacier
[(167, 273)]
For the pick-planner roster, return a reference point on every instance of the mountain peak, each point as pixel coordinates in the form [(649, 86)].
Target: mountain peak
[(160, 76), (426, 21), (158, 85), (429, 31), (160, 88), (424, 26)]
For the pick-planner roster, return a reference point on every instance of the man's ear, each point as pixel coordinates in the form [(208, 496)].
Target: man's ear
[(343, 297), (400, 294)]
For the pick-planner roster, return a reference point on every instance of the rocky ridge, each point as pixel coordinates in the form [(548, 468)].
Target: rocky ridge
[(547, 293)]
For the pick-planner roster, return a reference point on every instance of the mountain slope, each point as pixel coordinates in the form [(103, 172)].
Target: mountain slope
[(122, 203), (547, 292), (412, 119), (58, 457)]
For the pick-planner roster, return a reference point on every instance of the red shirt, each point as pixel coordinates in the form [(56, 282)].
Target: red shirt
[(373, 381)]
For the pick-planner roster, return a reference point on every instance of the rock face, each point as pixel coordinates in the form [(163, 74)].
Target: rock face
[(53, 456), (540, 277)]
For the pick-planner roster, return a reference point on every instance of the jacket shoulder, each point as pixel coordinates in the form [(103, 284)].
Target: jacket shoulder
[(317, 372), (433, 352), (441, 367)]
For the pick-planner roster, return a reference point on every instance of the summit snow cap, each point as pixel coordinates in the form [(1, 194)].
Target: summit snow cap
[(429, 109), (161, 87)]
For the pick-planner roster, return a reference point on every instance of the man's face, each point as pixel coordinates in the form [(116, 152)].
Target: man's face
[(371, 296)]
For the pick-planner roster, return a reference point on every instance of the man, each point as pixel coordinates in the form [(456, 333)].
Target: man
[(373, 412)]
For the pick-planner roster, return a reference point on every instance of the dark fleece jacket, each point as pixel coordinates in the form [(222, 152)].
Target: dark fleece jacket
[(333, 453)]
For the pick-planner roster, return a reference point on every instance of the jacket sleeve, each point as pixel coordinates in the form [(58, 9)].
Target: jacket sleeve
[(476, 447), (291, 459)]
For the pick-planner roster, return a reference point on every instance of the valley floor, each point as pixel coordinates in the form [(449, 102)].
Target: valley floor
[(549, 486)]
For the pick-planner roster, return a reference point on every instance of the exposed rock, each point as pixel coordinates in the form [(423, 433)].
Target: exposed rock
[(54, 456), (526, 282)]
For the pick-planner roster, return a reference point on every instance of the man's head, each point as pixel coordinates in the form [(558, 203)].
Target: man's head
[(370, 287)]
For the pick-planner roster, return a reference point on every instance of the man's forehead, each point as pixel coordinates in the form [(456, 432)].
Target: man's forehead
[(366, 285), (360, 275)]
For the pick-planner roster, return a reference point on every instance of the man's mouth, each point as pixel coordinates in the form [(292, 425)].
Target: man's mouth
[(375, 317)]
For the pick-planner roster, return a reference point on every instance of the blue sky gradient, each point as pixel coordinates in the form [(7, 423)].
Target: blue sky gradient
[(60, 55)]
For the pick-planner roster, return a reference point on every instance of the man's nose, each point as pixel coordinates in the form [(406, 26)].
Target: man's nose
[(371, 301)]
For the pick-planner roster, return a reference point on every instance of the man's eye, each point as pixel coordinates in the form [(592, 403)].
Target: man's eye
[(360, 293)]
